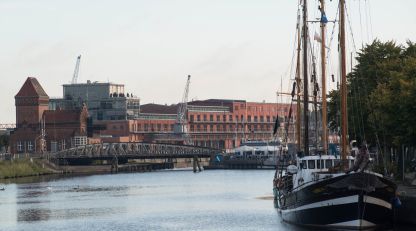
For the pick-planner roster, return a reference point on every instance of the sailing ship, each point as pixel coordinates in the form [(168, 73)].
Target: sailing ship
[(328, 191)]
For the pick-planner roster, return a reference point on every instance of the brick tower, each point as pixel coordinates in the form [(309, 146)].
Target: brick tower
[(31, 102)]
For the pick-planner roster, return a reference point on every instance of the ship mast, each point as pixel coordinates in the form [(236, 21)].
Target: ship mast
[(298, 116), (323, 69), (305, 78), (344, 117)]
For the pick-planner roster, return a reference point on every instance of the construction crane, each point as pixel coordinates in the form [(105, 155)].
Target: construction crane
[(180, 124), (75, 77)]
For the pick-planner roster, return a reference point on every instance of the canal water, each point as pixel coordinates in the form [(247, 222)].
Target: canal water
[(166, 200)]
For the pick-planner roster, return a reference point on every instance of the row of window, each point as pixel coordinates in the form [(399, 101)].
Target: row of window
[(29, 146), (25, 146), (321, 164), (229, 118), (261, 109), (152, 127), (229, 128), (199, 128)]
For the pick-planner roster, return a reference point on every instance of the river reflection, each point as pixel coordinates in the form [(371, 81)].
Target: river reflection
[(167, 200)]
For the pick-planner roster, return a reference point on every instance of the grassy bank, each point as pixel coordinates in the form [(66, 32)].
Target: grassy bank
[(21, 168)]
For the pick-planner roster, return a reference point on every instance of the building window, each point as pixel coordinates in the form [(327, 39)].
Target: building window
[(54, 146), (224, 118), (211, 117), (29, 146), (230, 118), (255, 118), (63, 145), (268, 118), (249, 119), (19, 146), (205, 117), (192, 127), (261, 119), (242, 118), (211, 127), (159, 127), (218, 118), (198, 117), (79, 140), (191, 118), (236, 118)]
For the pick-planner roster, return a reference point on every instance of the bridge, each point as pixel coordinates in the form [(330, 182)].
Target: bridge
[(121, 152), (7, 126)]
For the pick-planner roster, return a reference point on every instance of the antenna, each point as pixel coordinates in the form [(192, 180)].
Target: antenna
[(76, 71)]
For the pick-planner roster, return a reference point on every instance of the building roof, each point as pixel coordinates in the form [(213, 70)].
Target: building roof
[(159, 109), (32, 88), (215, 102)]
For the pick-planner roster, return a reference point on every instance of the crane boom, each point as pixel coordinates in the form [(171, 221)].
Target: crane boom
[(180, 126), (75, 77)]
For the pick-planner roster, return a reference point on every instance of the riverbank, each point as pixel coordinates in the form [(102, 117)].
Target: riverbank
[(406, 213), (24, 168)]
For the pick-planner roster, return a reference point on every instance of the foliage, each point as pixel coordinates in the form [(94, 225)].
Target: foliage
[(381, 95), (4, 141)]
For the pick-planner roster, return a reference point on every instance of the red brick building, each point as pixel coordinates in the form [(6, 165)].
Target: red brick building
[(39, 129), (65, 128), (214, 123)]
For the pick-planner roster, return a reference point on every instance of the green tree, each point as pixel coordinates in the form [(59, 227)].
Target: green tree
[(381, 95)]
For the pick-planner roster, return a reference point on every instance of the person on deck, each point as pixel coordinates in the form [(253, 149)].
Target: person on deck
[(361, 160)]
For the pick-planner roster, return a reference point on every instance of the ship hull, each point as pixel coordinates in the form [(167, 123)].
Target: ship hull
[(353, 201)]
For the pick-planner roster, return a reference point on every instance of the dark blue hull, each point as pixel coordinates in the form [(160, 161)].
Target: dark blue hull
[(354, 201)]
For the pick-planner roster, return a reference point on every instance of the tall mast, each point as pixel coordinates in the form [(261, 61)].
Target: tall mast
[(305, 77), (344, 117), (298, 116), (323, 68)]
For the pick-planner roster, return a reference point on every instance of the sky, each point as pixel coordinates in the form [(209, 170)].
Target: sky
[(233, 49)]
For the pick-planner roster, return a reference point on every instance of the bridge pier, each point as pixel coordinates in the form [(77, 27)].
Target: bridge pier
[(196, 163), (114, 165)]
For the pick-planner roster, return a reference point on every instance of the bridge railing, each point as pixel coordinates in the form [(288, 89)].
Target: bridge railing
[(151, 150)]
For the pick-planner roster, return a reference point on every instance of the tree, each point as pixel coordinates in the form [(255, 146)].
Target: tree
[(4, 141), (381, 95)]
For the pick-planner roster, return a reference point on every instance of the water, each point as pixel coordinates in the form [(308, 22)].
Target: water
[(167, 200)]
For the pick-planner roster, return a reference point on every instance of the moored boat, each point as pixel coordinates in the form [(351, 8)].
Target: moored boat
[(328, 191), (316, 194)]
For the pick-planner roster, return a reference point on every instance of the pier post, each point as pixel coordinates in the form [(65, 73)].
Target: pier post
[(196, 163), (114, 165)]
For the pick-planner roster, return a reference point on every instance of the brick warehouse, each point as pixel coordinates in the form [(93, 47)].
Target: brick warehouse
[(39, 129), (216, 123)]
